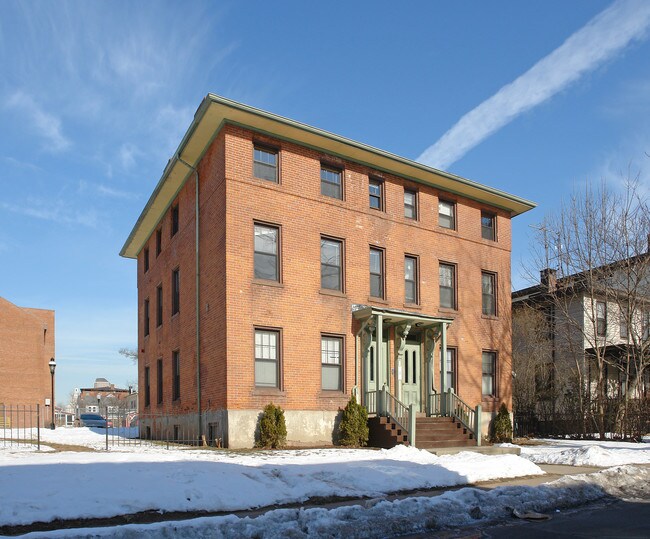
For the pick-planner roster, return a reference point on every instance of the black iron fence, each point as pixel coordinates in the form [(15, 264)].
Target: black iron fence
[(25, 426)]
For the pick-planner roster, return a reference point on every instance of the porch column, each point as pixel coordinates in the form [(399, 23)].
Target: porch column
[(365, 337), (379, 350), (401, 333), (443, 358), (429, 350)]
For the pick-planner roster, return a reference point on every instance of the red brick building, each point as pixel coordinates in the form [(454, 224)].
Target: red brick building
[(26, 347), (273, 256)]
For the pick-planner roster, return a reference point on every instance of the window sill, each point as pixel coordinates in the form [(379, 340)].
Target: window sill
[(377, 300), (489, 317), (268, 392), (446, 229), (175, 315), (447, 310), (413, 306), (265, 181), (334, 293), (263, 282), (332, 394)]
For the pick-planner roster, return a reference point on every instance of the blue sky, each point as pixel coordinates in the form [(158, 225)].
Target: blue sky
[(531, 98)]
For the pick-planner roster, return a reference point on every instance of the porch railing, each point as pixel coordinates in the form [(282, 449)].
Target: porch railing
[(435, 403), (384, 404), (469, 417)]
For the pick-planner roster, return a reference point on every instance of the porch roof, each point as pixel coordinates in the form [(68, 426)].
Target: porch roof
[(397, 316)]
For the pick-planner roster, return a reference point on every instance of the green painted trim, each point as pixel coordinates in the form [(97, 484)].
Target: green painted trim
[(338, 138), (212, 98)]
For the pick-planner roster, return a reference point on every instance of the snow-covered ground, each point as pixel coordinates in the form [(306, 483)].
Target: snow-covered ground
[(468, 507), (67, 485), (587, 453)]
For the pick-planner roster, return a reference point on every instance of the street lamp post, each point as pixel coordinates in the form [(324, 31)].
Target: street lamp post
[(52, 365)]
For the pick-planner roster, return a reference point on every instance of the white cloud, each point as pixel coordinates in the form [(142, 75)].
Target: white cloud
[(46, 124), (127, 155), (116, 193), (599, 40), (55, 212)]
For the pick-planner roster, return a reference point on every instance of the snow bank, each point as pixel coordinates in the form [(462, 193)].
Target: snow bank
[(463, 508), (587, 453), (70, 485)]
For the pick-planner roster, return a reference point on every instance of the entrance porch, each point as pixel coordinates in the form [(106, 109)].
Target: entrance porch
[(397, 379)]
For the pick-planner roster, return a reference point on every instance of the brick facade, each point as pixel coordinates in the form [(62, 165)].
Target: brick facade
[(26, 347), (233, 303)]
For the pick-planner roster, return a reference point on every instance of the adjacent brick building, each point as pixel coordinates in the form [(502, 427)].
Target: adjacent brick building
[(303, 251), (26, 347)]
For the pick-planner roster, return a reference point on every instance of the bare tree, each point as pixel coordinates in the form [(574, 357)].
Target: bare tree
[(129, 353), (597, 249)]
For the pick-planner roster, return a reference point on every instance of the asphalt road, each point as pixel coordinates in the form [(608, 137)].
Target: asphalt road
[(620, 519)]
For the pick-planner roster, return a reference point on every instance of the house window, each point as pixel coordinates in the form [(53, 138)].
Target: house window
[(452, 373), (410, 279), (331, 363), (176, 375), (174, 219), (447, 277), (159, 380), (330, 182), (266, 252), (146, 259), (410, 204), (146, 317), (645, 325), (489, 373), (147, 387), (176, 291), (92, 409), (488, 286), (487, 226), (447, 214), (159, 306), (377, 273), (267, 358), (376, 194), (623, 329), (601, 318), (265, 164), (331, 264), (158, 241)]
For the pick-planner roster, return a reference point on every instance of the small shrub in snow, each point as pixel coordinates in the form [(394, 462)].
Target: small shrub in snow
[(353, 429), (502, 426), (273, 429)]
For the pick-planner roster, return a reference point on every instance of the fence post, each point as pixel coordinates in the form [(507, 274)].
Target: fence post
[(477, 425), (412, 425), (38, 427)]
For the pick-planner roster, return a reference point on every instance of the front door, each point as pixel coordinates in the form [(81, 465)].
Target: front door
[(411, 374), (375, 372)]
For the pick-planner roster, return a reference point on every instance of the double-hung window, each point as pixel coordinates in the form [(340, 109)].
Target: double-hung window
[(411, 279), (452, 372), (176, 291), (159, 306), (267, 358), (447, 277), (377, 273), (489, 374), (158, 241), (332, 363), (447, 214), (146, 259), (147, 387), (145, 317), (174, 219), (488, 289), (376, 192), (331, 182), (159, 380), (410, 204), (488, 228), (601, 318), (331, 264), (267, 261), (176, 375), (265, 164)]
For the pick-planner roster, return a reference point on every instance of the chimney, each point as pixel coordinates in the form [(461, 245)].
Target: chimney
[(548, 278)]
